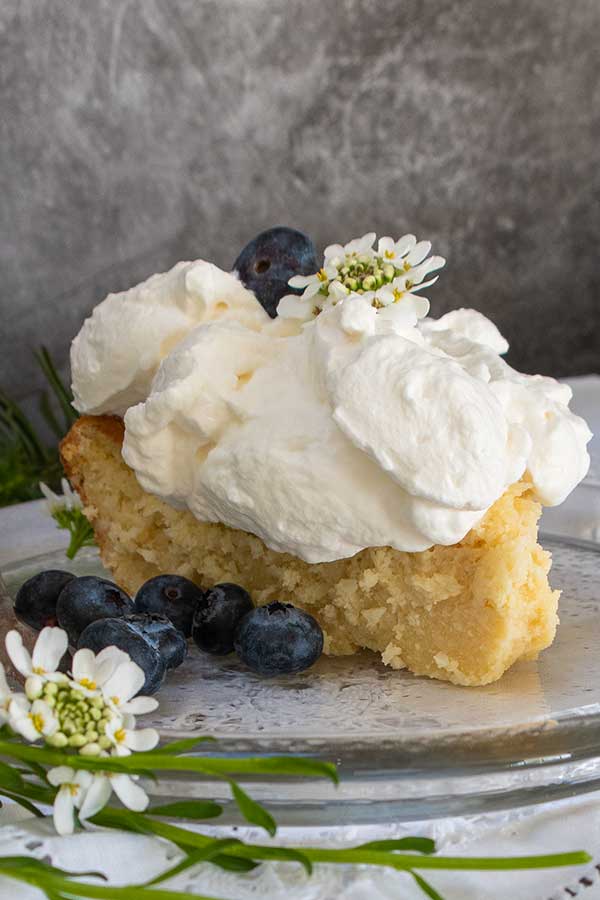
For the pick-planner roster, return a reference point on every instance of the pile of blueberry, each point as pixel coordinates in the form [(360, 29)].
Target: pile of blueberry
[(153, 627)]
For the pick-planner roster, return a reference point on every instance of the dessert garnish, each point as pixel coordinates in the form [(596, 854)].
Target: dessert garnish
[(122, 634), (278, 639), (97, 614), (267, 263), (85, 600), (161, 634), (35, 603), (217, 616), (172, 596), (67, 512), (392, 272)]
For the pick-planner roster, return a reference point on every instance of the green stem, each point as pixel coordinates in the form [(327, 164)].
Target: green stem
[(82, 535), (22, 801), (16, 422), (155, 762), (60, 392), (67, 887), (184, 838)]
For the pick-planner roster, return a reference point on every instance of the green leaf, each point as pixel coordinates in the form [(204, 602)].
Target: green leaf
[(289, 854), (51, 894), (279, 765), (182, 746), (420, 844), (61, 393), (193, 858), (36, 769), (427, 888), (38, 865), (22, 801), (187, 809), (15, 423), (252, 811), (234, 863), (10, 778), (47, 756), (49, 416)]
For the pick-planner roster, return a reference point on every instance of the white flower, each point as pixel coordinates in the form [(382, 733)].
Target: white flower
[(89, 673), (68, 500), (291, 306), (126, 739), (32, 721), (6, 697), (39, 667), (312, 284), (392, 251), (89, 793), (125, 787), (392, 272), (73, 787), (119, 691), (338, 291), (362, 246)]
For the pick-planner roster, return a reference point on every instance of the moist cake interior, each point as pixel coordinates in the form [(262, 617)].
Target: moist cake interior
[(462, 613)]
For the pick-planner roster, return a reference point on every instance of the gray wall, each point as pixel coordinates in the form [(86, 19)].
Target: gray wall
[(138, 132)]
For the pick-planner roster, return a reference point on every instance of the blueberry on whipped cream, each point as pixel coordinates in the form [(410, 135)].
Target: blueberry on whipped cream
[(267, 263)]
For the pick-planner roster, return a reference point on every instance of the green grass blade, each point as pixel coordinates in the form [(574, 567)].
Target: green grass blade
[(420, 844), (252, 811), (427, 888), (62, 394), (187, 809), (194, 858)]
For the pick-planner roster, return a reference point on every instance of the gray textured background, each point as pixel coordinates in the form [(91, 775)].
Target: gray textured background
[(138, 132)]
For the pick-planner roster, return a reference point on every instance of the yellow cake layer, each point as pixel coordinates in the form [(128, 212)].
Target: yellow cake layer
[(463, 613)]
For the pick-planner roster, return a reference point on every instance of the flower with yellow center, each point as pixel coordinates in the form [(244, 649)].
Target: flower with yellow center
[(90, 672), (88, 713), (125, 738), (312, 284), (382, 277), (32, 721), (6, 697), (73, 786), (41, 665), (120, 691)]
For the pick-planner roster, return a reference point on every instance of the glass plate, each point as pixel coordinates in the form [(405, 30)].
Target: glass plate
[(407, 747)]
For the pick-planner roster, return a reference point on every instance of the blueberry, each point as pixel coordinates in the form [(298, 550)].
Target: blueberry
[(172, 596), (86, 599), (267, 263), (217, 616), (35, 603), (120, 633), (162, 635), (278, 639)]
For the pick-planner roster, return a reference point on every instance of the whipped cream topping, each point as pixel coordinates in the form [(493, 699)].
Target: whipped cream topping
[(116, 354), (362, 427)]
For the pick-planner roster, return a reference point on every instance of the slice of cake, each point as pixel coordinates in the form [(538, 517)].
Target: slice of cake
[(383, 470), (463, 613)]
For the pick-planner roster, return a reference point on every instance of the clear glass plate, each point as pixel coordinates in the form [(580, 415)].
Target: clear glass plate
[(407, 747)]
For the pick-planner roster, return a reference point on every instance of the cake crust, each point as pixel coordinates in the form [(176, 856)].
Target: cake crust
[(463, 613)]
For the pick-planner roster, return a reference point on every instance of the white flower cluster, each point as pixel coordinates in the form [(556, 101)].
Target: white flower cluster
[(92, 711), (55, 502), (385, 276)]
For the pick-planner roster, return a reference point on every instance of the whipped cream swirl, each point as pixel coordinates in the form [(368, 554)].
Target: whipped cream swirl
[(362, 427)]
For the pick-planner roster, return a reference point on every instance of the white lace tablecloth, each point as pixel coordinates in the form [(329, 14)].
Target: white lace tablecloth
[(126, 858)]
